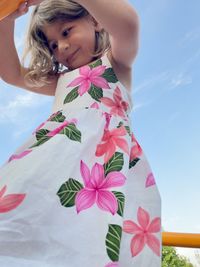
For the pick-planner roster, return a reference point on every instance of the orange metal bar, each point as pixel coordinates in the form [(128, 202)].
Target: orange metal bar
[(181, 239), (8, 6)]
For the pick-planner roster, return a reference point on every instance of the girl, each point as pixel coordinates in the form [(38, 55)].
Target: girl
[(79, 191)]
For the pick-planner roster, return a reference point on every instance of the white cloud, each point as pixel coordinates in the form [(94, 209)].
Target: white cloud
[(138, 106), (190, 36), (152, 81), (16, 110), (180, 80)]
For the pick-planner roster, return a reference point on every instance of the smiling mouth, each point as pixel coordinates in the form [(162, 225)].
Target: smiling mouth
[(72, 56)]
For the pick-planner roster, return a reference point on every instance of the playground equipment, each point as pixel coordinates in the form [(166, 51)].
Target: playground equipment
[(173, 239), (8, 6)]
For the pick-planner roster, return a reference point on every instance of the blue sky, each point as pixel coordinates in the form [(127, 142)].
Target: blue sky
[(166, 111)]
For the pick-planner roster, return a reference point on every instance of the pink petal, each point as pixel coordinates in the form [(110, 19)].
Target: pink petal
[(85, 71), (97, 175), (143, 218), (85, 173), (95, 105), (155, 225), (110, 151), (150, 180), (85, 199), (113, 179), (106, 135), (154, 243), (137, 244), (131, 228), (121, 143), (107, 101), (97, 71), (84, 87), (76, 81), (107, 201), (10, 202), (136, 151), (117, 111), (121, 131), (100, 82), (117, 95), (101, 149), (125, 105)]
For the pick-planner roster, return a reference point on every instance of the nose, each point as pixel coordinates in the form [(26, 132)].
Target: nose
[(63, 46)]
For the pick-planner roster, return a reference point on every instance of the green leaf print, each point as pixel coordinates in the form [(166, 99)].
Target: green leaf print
[(128, 130), (72, 132), (68, 191), (115, 163), (120, 199), (73, 94), (113, 239), (96, 92), (41, 133), (110, 76), (96, 64), (59, 117), (41, 137), (133, 162)]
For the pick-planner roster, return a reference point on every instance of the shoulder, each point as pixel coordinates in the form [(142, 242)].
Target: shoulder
[(123, 73)]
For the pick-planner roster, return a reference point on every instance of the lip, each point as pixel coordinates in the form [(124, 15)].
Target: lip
[(72, 56)]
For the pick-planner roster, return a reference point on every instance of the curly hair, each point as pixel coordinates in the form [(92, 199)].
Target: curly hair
[(42, 63)]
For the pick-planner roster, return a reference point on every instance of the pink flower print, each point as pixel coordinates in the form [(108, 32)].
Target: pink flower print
[(11, 201), (95, 105), (59, 129), (143, 232), (136, 149), (19, 156), (117, 104), (96, 188), (150, 180), (112, 264), (111, 140), (90, 76)]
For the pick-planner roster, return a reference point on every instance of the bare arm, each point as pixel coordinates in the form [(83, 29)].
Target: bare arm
[(11, 70), (121, 21)]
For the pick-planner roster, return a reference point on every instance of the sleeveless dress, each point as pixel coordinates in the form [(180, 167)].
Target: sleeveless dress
[(80, 192)]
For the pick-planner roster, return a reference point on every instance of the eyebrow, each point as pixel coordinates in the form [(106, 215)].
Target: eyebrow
[(59, 29)]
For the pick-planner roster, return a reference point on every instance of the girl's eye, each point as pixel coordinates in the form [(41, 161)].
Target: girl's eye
[(65, 32), (53, 46)]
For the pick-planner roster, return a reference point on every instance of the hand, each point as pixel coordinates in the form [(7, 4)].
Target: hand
[(33, 2), (23, 9)]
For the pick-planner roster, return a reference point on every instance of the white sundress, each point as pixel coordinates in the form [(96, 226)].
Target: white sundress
[(80, 192)]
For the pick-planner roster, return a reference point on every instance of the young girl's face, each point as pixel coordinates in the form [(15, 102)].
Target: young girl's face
[(72, 42)]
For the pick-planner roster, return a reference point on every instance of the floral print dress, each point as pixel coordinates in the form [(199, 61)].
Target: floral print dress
[(80, 192)]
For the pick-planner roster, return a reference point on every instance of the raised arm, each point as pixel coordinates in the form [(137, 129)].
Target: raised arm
[(121, 21), (11, 70)]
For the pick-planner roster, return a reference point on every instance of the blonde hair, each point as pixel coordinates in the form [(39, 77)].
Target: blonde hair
[(42, 64)]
